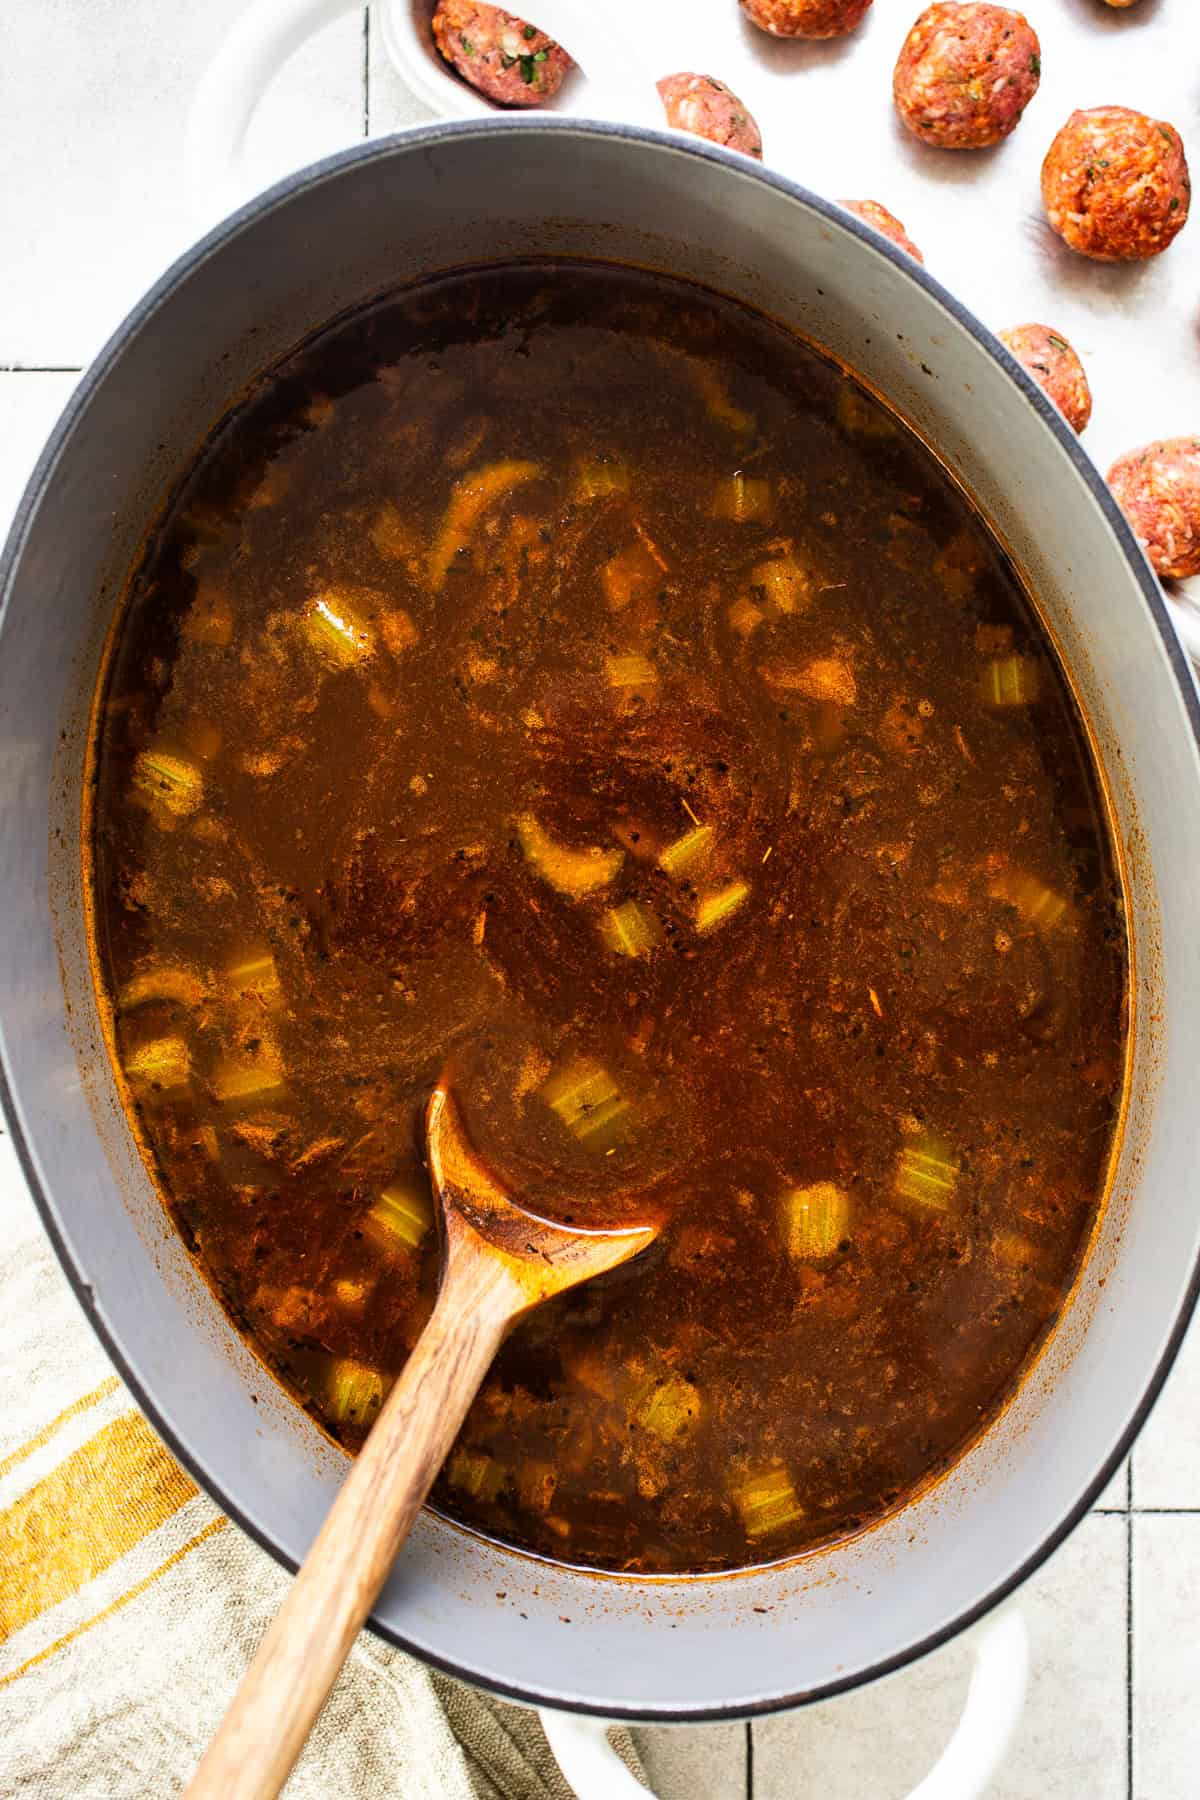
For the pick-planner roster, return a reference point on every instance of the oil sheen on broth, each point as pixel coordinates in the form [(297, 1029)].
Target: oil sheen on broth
[(565, 677)]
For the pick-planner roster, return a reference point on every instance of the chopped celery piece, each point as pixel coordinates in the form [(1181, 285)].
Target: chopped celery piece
[(167, 981), (256, 977), (335, 632), (209, 619), (815, 1220), (470, 498), (669, 1409), (767, 1501), (162, 1063), (716, 907), (353, 1391), (587, 1100), (401, 1215), (824, 678), (745, 499), (599, 477), (167, 781), (927, 1172), (571, 872), (784, 586), (477, 1474), (630, 930), (1039, 905), (688, 853), (630, 671), (631, 575), (1010, 681), (236, 1082)]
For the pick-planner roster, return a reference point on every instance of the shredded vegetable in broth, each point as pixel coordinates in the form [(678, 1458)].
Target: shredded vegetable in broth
[(563, 677)]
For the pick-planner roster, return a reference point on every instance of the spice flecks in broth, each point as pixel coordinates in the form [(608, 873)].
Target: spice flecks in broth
[(695, 782)]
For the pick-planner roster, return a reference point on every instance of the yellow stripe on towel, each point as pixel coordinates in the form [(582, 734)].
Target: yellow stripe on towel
[(92, 1509), (139, 1587), (47, 1432)]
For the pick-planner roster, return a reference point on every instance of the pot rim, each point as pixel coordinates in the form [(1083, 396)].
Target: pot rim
[(312, 176)]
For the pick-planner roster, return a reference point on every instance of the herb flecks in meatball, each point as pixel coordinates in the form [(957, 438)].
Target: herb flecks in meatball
[(707, 108), (1055, 366), (806, 18), (884, 222), (1115, 184), (502, 56), (1158, 488), (966, 74)]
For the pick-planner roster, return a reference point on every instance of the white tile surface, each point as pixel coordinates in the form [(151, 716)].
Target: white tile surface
[(93, 100), (1166, 1658), (29, 405), (1167, 1459), (877, 1745)]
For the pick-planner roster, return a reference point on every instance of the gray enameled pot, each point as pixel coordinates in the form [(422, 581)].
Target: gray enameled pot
[(385, 213)]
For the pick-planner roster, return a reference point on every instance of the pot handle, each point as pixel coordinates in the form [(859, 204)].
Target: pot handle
[(963, 1772), (227, 94)]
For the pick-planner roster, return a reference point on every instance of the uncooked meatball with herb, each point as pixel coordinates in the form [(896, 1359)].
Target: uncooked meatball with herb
[(1158, 488), (966, 74), (498, 53), (884, 222), (1054, 365), (1115, 184), (806, 18), (707, 108)]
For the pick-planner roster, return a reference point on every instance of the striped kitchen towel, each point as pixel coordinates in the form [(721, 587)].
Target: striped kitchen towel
[(129, 1606)]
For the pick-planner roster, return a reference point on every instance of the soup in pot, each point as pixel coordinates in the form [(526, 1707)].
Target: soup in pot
[(564, 678)]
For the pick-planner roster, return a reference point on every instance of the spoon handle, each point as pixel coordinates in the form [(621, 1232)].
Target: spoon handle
[(299, 1659)]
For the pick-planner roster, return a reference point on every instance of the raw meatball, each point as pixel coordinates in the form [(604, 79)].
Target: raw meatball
[(506, 59), (966, 74), (1115, 184), (707, 108), (886, 223), (1159, 489), (1054, 366), (805, 18)]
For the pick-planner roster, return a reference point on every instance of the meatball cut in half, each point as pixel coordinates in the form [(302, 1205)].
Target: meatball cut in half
[(806, 18), (966, 74), (1158, 488), (1054, 366), (1115, 184), (707, 108), (506, 59), (884, 222)]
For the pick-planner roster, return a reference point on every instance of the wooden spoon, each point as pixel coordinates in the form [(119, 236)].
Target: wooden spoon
[(499, 1263)]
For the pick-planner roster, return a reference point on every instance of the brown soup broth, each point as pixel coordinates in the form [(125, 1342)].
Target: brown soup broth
[(562, 675)]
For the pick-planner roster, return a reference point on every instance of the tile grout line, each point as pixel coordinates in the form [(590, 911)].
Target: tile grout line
[(1129, 1515), (366, 72), (749, 1759)]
